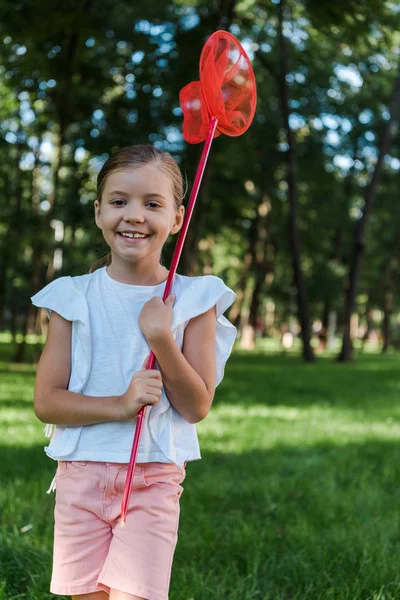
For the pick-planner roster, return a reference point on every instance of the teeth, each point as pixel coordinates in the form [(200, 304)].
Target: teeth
[(133, 235)]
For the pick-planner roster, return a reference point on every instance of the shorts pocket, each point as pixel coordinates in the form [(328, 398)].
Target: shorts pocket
[(163, 473), (67, 467)]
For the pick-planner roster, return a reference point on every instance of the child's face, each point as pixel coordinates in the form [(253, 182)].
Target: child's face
[(138, 200)]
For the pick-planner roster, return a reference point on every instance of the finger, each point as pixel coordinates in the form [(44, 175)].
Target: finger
[(150, 399), (148, 375), (155, 384), (170, 299), (153, 373), (153, 389)]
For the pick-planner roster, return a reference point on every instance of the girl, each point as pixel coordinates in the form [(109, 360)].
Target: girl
[(91, 383)]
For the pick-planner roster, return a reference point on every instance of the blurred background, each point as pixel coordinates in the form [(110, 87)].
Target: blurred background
[(297, 496)]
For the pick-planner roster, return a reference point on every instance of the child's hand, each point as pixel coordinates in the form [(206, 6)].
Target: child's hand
[(156, 317), (145, 388)]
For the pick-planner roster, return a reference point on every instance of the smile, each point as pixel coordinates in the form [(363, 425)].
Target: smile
[(132, 238)]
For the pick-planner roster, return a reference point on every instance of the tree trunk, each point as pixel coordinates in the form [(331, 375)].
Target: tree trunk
[(346, 353), (246, 330), (390, 289), (36, 259), (323, 334), (225, 14), (189, 255), (14, 315), (34, 286), (261, 259), (249, 260), (40, 245), (13, 236), (331, 332), (234, 314), (294, 235), (368, 326), (255, 299), (387, 314)]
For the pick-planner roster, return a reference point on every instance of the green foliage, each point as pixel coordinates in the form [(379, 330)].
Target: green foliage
[(83, 92)]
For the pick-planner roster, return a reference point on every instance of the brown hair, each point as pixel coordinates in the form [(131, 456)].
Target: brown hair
[(133, 157)]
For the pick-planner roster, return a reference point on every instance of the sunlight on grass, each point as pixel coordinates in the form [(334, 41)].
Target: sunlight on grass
[(239, 429), (6, 338)]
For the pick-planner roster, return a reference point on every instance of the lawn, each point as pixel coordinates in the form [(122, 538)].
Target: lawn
[(297, 496)]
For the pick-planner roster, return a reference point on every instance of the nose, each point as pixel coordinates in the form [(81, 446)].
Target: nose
[(134, 219), (134, 213)]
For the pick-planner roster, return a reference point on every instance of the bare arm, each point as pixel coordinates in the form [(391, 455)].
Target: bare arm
[(53, 402), (189, 376)]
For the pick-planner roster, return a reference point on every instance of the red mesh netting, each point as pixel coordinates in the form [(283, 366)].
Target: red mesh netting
[(226, 90)]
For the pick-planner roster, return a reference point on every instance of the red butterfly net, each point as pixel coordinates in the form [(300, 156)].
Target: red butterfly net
[(223, 101), (226, 90)]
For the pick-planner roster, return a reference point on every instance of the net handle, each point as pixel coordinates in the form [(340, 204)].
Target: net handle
[(174, 264)]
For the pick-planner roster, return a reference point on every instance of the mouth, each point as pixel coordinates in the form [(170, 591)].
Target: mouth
[(130, 239)]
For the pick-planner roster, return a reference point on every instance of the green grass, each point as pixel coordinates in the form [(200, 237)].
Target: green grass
[(297, 496)]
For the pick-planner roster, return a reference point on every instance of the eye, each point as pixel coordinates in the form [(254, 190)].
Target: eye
[(155, 204), (118, 202)]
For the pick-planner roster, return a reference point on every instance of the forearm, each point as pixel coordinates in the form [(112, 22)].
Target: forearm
[(62, 407), (184, 387)]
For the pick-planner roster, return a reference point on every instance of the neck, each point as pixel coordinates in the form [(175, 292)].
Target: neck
[(135, 273)]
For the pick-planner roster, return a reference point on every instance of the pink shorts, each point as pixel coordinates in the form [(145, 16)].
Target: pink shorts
[(92, 551)]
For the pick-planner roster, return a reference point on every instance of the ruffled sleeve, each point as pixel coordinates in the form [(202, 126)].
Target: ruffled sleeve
[(64, 296), (202, 294)]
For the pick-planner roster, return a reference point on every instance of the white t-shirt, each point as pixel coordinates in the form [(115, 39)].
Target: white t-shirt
[(108, 347)]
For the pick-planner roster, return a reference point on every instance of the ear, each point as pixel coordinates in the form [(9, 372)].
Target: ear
[(97, 213), (180, 213)]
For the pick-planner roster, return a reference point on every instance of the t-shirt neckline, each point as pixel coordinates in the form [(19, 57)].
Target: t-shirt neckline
[(131, 285)]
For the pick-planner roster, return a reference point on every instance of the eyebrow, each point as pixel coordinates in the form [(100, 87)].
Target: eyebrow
[(117, 192), (150, 195)]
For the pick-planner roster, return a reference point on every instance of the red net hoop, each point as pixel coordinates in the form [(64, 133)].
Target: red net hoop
[(226, 90)]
